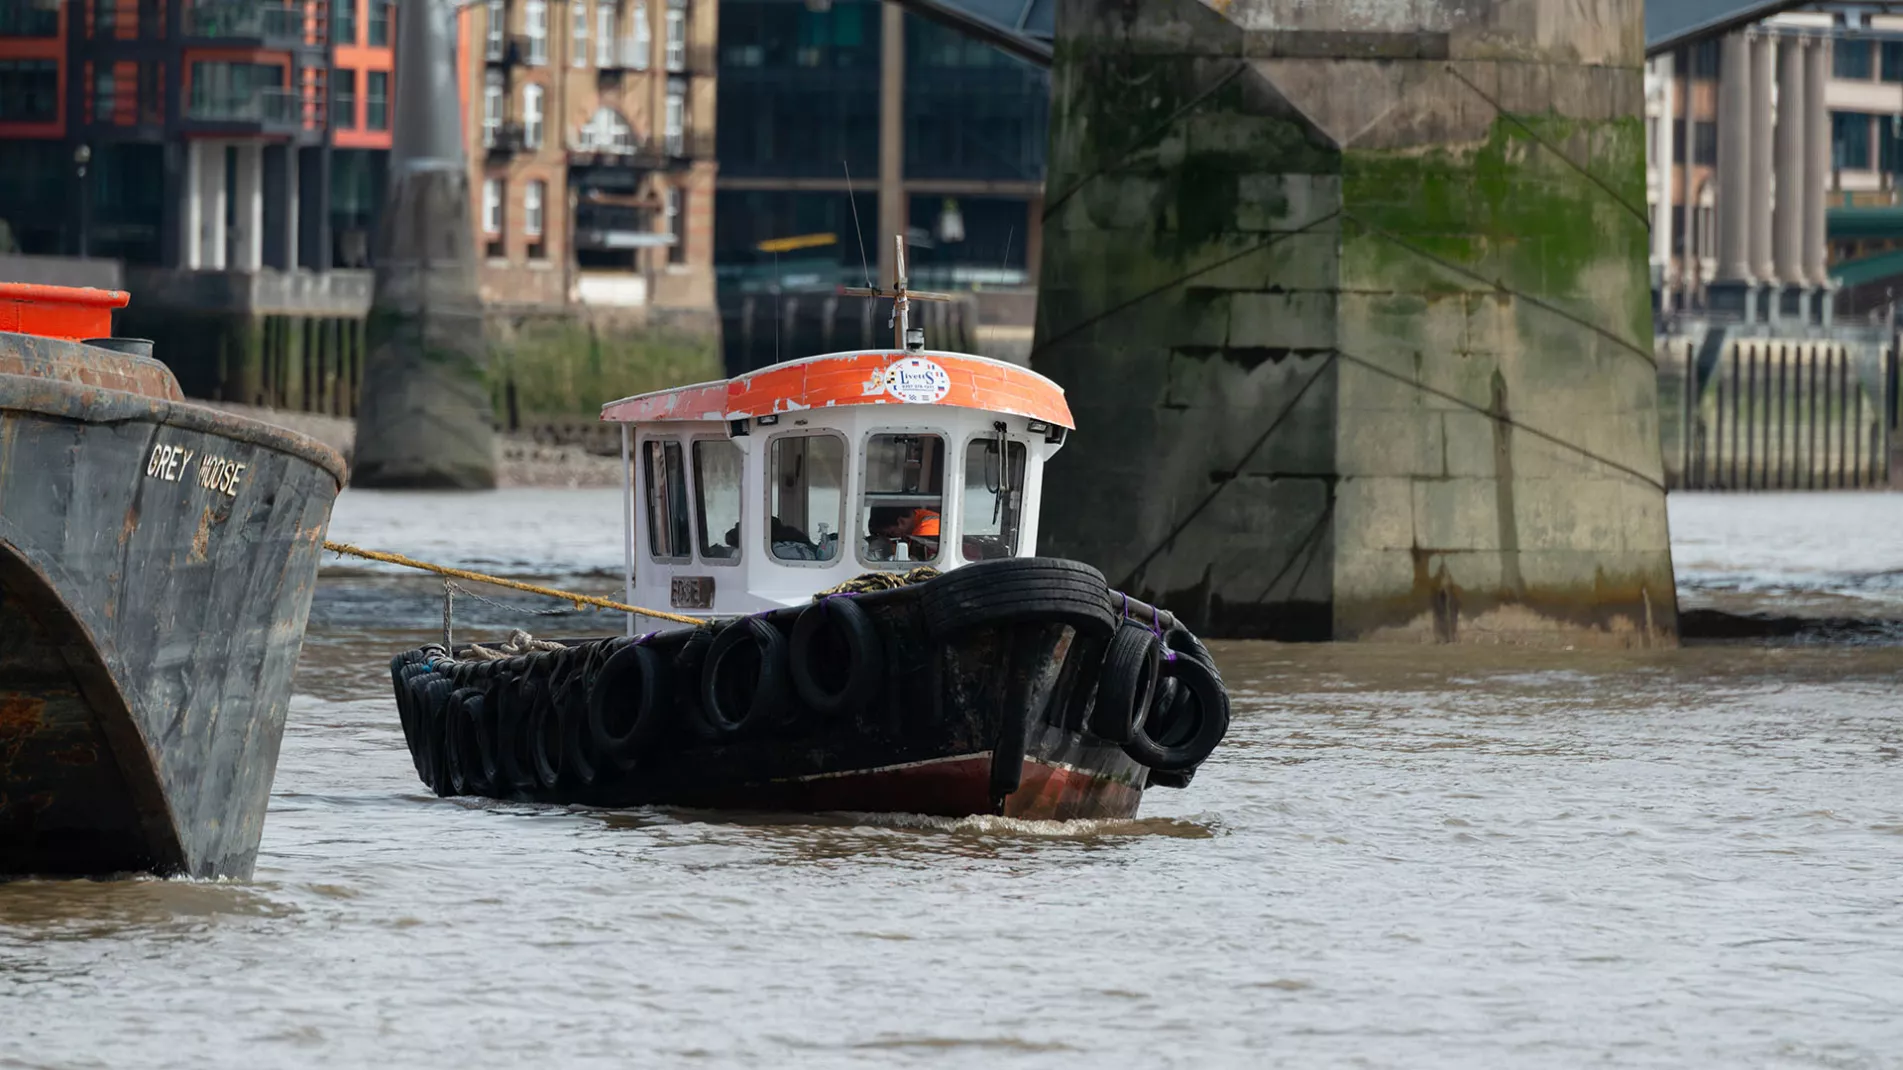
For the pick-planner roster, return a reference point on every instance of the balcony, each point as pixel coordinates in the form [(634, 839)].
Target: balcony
[(510, 51), (279, 25), (685, 147), (503, 140), (268, 109)]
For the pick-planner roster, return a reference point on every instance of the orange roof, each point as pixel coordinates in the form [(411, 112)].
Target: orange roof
[(876, 377), (70, 312)]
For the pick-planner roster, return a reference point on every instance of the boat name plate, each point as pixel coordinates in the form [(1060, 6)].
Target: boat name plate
[(216, 474), (691, 592)]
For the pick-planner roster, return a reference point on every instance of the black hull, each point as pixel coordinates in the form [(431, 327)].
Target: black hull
[(991, 720), (153, 596)]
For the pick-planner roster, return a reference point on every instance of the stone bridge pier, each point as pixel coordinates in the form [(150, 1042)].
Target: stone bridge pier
[(1351, 302)]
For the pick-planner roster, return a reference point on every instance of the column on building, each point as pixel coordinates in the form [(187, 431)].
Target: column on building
[(208, 209), (1763, 70), (1792, 174), (1665, 72), (1734, 161), (248, 229), (1816, 164)]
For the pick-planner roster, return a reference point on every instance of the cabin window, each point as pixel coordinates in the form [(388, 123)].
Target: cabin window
[(806, 496), (717, 490), (994, 498), (668, 538), (904, 499)]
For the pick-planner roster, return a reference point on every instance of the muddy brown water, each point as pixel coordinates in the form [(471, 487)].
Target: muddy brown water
[(1402, 857)]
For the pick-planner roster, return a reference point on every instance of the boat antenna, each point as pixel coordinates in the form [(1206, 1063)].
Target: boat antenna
[(779, 304), (854, 203), (906, 337)]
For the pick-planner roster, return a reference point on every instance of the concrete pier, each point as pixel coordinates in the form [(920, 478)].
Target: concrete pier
[(1351, 304), (425, 417)]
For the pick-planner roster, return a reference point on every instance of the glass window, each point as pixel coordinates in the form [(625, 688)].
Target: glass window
[(492, 193), (605, 33), (643, 43), (496, 26), (343, 102), (22, 18), (674, 119), (904, 498), (676, 225), (29, 90), (1851, 58), (717, 492), (379, 36), (806, 475), (667, 501), (491, 108), (376, 100), (1851, 140), (535, 26), (578, 19), (532, 198), (343, 23), (532, 116), (1893, 61), (994, 499), (676, 39), (105, 95)]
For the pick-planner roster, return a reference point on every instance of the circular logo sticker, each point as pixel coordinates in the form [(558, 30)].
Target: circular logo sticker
[(916, 381)]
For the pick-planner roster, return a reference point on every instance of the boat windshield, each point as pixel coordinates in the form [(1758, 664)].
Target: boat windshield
[(807, 475), (904, 498), (994, 499)]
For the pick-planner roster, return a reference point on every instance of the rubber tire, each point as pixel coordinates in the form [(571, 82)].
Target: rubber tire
[(545, 738), (582, 763), (408, 695), (1012, 589), (769, 698), (1174, 748), (865, 657), (634, 677), (515, 703), (432, 709), (1126, 684), (459, 736)]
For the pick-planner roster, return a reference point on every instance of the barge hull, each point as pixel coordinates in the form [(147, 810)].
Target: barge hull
[(157, 562)]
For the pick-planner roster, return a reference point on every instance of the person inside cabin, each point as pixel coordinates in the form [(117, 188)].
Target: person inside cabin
[(918, 527), (789, 543)]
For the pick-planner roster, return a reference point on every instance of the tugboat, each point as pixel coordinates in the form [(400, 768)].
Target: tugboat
[(156, 567), (855, 533)]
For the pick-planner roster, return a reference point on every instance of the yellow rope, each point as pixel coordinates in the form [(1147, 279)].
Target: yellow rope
[(464, 574)]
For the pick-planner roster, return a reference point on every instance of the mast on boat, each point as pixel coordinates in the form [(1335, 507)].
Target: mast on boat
[(904, 335)]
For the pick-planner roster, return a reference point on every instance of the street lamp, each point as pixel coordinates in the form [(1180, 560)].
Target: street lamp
[(82, 156)]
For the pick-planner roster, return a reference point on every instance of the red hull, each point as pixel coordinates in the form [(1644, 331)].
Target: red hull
[(954, 787)]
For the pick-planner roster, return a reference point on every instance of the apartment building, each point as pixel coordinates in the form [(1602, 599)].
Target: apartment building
[(591, 152)]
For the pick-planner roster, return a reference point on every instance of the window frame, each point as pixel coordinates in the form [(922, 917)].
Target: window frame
[(534, 207), (644, 490), (495, 196), (643, 30), (534, 115), (846, 477), (697, 504), (578, 27), (945, 511), (674, 39), (535, 28), (495, 104), (495, 33), (374, 102), (1023, 443), (606, 20)]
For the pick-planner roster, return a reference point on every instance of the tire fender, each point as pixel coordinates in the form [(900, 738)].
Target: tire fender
[(844, 623), (1126, 685), (732, 701), (1185, 722), (627, 705)]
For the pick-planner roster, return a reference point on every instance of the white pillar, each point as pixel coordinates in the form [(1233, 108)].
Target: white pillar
[(1792, 114), (290, 208), (194, 205), (1663, 68), (1763, 68), (1734, 161), (212, 194), (1816, 158), (248, 238)]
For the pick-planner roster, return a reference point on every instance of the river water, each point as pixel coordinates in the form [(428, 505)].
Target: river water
[(1402, 857)]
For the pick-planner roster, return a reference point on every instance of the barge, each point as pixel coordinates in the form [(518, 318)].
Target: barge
[(859, 620), (157, 561)]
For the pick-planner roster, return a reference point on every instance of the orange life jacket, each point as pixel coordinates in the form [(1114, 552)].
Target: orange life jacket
[(922, 522)]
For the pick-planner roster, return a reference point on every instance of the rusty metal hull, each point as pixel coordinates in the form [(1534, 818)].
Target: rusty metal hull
[(157, 561)]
